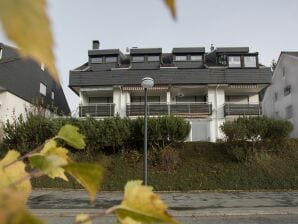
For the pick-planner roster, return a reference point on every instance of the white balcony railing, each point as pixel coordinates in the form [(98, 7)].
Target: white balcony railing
[(242, 109), (195, 109), (97, 110)]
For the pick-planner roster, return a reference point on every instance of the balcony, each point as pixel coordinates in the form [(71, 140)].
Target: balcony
[(97, 110), (198, 109), (242, 109)]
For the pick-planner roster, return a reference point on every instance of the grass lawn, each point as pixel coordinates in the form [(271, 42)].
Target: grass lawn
[(203, 166)]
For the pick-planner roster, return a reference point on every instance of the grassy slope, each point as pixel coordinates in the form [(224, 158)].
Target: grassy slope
[(204, 166)]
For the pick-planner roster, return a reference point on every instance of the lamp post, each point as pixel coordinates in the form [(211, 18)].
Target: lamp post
[(146, 83)]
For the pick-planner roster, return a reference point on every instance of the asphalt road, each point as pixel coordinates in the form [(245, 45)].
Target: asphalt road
[(192, 207)]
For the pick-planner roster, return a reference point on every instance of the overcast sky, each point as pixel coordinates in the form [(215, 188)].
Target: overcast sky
[(266, 26)]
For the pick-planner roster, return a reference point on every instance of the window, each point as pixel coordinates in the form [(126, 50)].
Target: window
[(97, 60), (100, 99), (0, 53), (153, 58), (138, 59), (234, 62), (140, 99), (111, 59), (287, 90), (180, 58), (289, 112), (43, 89), (196, 57), (250, 61), (222, 60), (52, 95)]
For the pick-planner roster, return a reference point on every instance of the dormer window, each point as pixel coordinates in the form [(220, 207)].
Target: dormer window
[(112, 59), (97, 60), (138, 59), (234, 61), (153, 58), (250, 62), (196, 57), (180, 58)]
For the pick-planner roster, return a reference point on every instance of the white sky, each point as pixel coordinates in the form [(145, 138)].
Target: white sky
[(266, 26)]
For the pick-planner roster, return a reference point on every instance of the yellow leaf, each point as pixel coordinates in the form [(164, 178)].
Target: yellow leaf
[(70, 134), (49, 164), (83, 219), (14, 172), (13, 209), (88, 175), (27, 24), (142, 205), (51, 148), (171, 6), (128, 220)]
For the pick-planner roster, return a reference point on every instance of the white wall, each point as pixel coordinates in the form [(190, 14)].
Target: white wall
[(286, 73), (216, 96), (12, 106)]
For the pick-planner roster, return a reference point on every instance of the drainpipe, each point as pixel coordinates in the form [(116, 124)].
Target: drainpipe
[(216, 117)]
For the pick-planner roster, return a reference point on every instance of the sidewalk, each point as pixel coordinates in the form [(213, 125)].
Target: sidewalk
[(181, 204)]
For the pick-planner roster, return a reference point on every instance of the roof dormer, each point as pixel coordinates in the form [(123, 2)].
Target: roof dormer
[(192, 57), (234, 57), (145, 58), (103, 59)]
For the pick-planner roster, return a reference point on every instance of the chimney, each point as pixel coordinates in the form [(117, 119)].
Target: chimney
[(95, 45), (212, 47)]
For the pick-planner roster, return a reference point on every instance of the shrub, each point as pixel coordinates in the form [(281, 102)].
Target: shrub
[(169, 159), (248, 136), (108, 135)]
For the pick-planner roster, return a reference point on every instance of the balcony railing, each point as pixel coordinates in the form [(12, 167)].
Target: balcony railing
[(242, 109), (180, 109), (97, 110)]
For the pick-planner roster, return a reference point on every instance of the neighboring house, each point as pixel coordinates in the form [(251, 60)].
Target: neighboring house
[(205, 88), (281, 97), (26, 85)]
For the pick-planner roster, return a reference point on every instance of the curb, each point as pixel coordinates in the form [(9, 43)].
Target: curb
[(190, 213)]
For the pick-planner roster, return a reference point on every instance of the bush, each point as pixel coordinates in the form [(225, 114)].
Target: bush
[(248, 136), (169, 159), (108, 135)]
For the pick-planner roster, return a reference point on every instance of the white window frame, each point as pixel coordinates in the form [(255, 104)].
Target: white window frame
[(233, 63), (153, 58), (196, 57), (109, 59), (42, 89), (180, 57), (95, 60), (249, 63), (52, 95), (138, 59)]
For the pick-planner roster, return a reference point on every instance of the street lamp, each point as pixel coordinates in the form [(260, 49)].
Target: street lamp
[(146, 83)]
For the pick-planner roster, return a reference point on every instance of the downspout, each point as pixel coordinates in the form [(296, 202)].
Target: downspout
[(216, 117)]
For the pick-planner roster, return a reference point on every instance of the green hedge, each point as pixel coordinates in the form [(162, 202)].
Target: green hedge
[(107, 135), (248, 136)]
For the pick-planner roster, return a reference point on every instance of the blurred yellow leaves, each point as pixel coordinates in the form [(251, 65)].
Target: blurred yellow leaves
[(26, 23), (142, 205), (11, 171), (172, 7)]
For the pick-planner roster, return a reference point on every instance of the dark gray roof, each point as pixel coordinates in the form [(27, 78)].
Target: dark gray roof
[(104, 52), (188, 50), (135, 51), (22, 77), (171, 76), (232, 49), (292, 53)]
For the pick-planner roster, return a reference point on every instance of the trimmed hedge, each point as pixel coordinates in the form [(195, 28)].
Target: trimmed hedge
[(108, 135), (248, 136)]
